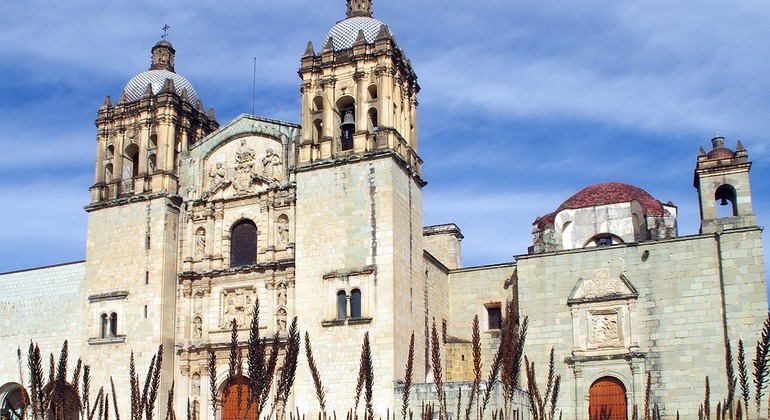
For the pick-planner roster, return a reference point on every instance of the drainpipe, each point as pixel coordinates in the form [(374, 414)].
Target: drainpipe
[(720, 272)]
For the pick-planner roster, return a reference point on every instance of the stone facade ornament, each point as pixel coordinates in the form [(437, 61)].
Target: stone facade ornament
[(244, 169), (604, 329), (272, 165), (218, 175), (238, 304)]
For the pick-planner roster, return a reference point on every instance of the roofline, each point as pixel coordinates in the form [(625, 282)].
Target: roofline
[(42, 267)]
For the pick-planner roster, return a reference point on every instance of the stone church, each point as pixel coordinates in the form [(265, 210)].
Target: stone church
[(191, 223)]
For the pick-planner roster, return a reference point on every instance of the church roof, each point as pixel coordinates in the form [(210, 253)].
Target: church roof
[(344, 33), (604, 194), (136, 87)]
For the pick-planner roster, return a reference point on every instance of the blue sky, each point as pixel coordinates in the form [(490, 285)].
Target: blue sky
[(523, 103)]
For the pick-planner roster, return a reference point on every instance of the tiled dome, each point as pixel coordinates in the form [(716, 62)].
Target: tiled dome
[(604, 194), (345, 32), (138, 84)]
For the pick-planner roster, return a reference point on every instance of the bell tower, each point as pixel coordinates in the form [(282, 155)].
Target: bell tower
[(133, 216), (359, 93), (359, 208), (722, 181)]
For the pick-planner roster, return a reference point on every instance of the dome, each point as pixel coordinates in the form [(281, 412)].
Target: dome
[(721, 153), (604, 194), (345, 31), (157, 78)]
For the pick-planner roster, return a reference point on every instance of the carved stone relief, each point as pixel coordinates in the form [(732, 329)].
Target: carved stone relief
[(197, 328), (282, 229), (200, 242), (281, 295), (272, 167), (604, 328), (196, 384), (237, 304), (281, 320)]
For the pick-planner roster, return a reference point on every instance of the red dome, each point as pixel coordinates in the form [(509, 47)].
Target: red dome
[(603, 194), (721, 153)]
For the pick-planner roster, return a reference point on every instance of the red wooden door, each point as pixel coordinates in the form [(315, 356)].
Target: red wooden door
[(235, 401), (607, 396)]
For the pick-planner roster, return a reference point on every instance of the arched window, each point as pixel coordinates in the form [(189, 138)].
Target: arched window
[(317, 130), (373, 121), (110, 153), (108, 172), (726, 203), (355, 304), (347, 119), (318, 103), (131, 161), (151, 162), (603, 239), (243, 244), (104, 326), (607, 399), (153, 141), (372, 92), (342, 305), (113, 325)]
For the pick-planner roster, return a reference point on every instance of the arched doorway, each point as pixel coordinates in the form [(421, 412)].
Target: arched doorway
[(607, 396), (13, 399), (235, 401)]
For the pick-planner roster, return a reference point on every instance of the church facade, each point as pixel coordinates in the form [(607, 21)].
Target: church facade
[(192, 224)]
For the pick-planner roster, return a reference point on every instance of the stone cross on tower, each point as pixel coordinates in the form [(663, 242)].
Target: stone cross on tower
[(359, 8)]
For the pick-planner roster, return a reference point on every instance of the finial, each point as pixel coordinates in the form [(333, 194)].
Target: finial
[(165, 31), (309, 50), (359, 8)]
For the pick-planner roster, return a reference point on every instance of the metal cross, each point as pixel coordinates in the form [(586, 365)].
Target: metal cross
[(165, 31)]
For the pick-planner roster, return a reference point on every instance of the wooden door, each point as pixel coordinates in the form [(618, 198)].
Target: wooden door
[(607, 400), (235, 401)]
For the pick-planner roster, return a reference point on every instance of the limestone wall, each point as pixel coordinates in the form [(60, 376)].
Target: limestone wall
[(625, 310), (357, 227), (44, 306)]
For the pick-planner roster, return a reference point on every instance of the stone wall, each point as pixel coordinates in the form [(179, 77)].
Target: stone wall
[(628, 309)]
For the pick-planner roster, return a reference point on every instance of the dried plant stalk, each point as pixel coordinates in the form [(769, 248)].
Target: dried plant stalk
[(319, 389), (476, 347), (760, 364), (213, 381), (408, 379), (436, 365)]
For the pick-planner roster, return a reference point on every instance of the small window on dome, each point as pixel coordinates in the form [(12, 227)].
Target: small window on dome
[(603, 239)]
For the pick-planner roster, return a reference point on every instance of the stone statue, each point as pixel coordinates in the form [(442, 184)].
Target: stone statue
[(273, 168), (200, 242), (282, 226), (197, 331), (218, 175)]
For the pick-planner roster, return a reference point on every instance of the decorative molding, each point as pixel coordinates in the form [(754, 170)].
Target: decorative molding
[(108, 296)]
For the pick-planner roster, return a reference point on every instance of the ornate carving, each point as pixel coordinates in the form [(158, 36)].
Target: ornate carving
[(281, 295), (272, 165), (280, 317), (282, 229), (237, 304), (244, 169), (218, 175), (196, 384), (604, 328), (197, 328)]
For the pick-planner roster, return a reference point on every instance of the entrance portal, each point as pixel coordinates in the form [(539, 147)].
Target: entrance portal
[(607, 399)]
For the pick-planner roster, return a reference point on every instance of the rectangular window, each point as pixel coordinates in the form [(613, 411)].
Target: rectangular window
[(494, 318)]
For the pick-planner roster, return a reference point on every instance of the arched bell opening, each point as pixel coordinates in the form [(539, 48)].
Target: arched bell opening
[(726, 202)]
